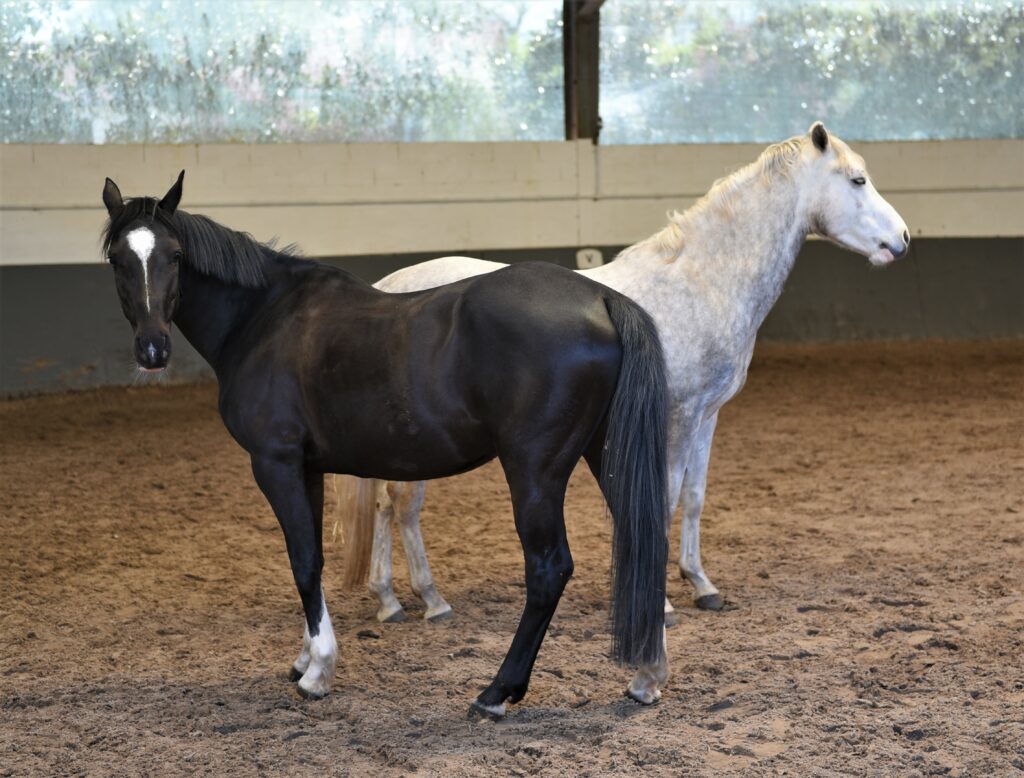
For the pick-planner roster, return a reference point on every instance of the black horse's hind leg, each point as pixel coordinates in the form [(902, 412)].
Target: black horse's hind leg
[(537, 505), (297, 499)]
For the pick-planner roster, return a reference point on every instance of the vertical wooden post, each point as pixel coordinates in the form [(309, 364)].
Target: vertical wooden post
[(581, 36)]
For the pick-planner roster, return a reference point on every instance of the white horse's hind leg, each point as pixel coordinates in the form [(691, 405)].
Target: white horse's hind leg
[(408, 500), (646, 685), (323, 657), (694, 485), (676, 469), (381, 583)]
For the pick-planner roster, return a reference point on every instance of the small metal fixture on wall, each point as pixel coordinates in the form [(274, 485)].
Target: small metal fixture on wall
[(588, 258)]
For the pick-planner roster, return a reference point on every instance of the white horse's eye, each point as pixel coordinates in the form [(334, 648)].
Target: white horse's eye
[(858, 181)]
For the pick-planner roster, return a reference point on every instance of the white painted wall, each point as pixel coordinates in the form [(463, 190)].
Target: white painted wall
[(351, 199)]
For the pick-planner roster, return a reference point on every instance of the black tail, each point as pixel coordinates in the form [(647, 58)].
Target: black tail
[(634, 479)]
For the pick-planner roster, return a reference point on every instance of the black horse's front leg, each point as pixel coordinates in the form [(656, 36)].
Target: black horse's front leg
[(297, 499)]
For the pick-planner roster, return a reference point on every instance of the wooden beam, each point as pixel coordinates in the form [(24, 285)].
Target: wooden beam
[(581, 54)]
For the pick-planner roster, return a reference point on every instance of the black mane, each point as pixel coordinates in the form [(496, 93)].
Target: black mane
[(211, 248)]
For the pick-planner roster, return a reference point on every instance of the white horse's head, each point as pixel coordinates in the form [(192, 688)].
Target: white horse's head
[(842, 202)]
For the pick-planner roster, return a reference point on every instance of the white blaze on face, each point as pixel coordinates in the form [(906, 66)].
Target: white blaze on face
[(142, 241)]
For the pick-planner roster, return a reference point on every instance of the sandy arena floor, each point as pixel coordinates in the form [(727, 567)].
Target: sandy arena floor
[(865, 522)]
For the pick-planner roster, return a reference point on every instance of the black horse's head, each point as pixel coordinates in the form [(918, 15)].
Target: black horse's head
[(144, 250)]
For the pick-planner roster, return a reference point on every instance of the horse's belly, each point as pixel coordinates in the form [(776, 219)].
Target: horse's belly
[(375, 443)]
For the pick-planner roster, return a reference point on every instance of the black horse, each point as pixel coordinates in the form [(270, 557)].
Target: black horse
[(320, 373)]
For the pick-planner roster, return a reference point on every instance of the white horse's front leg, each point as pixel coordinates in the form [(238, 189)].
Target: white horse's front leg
[(381, 583), (694, 485), (408, 500), (647, 684)]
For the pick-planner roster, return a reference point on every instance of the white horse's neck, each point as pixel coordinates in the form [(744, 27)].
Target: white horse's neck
[(723, 263)]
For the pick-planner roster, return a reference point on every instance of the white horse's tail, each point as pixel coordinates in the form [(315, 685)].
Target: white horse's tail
[(354, 517)]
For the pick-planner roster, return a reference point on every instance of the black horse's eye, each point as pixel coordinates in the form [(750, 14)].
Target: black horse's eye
[(858, 181), (176, 257)]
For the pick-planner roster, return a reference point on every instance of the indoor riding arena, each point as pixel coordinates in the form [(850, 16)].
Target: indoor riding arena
[(252, 249)]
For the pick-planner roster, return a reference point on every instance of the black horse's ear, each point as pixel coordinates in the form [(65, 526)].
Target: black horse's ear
[(819, 136), (173, 196), (112, 198)]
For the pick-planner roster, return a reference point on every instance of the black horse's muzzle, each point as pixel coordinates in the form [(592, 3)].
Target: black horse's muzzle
[(153, 350)]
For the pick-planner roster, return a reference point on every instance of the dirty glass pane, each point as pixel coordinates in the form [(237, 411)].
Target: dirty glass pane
[(191, 71), (690, 71)]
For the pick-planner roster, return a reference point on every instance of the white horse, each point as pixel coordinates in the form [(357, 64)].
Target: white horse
[(708, 279)]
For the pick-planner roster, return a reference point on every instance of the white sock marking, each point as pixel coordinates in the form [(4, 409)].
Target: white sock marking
[(324, 646), (323, 656), (142, 241)]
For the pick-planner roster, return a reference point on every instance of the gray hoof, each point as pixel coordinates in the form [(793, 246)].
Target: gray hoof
[(710, 602), (672, 618), (396, 618), (442, 616)]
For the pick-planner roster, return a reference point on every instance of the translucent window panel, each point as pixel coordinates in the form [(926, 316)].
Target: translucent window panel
[(762, 70), (190, 71)]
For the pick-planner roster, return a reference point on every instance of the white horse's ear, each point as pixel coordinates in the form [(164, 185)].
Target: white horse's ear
[(819, 136), (170, 201), (112, 198)]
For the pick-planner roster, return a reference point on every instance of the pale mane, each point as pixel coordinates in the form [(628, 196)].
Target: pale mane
[(776, 160)]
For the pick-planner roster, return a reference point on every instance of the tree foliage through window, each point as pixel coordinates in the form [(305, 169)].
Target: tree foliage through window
[(184, 71), (675, 71)]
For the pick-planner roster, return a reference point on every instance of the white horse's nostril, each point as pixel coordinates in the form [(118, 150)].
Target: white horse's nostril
[(906, 237)]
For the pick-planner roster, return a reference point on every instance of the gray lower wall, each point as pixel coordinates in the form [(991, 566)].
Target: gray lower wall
[(61, 326)]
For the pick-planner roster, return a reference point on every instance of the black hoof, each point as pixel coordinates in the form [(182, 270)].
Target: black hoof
[(396, 618), (672, 618), (293, 674), (710, 602), (441, 616), (481, 712)]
